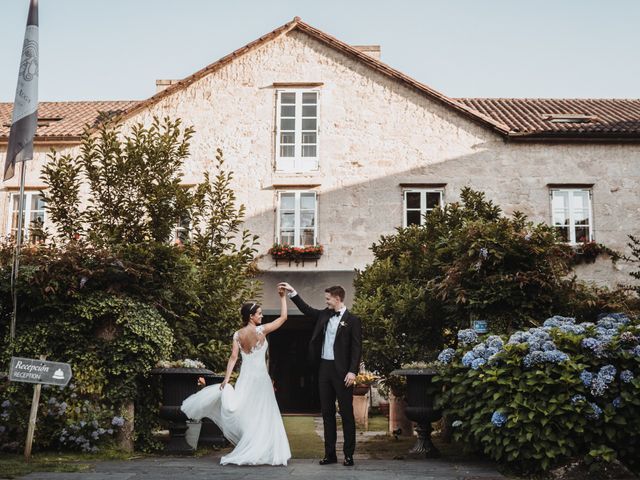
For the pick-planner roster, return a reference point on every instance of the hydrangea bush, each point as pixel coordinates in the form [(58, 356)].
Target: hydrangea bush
[(69, 418), (543, 395)]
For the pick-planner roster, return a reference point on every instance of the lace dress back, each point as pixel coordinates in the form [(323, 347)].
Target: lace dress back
[(247, 414)]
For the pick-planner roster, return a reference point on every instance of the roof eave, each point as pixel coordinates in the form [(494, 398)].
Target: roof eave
[(571, 137)]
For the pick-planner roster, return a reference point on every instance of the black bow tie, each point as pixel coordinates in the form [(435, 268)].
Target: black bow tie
[(335, 313)]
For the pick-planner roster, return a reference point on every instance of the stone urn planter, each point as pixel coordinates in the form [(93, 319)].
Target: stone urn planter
[(177, 384), (420, 407)]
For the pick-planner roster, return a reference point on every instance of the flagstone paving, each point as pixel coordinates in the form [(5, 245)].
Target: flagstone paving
[(207, 467)]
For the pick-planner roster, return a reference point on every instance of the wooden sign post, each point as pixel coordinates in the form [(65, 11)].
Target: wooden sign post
[(37, 371)]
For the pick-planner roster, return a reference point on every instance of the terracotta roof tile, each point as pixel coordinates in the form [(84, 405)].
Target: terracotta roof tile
[(63, 120), (562, 117)]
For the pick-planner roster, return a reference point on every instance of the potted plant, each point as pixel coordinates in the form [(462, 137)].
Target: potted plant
[(284, 252), (363, 383)]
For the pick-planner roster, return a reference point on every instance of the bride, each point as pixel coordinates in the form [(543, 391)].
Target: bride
[(247, 415)]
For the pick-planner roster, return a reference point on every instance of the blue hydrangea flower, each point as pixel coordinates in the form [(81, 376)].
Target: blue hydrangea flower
[(117, 421), (540, 357), (477, 363), (484, 253), (626, 376), (636, 351), (555, 356), (6, 404), (467, 337), (617, 402), (587, 377), (548, 346), (519, 337), (558, 321), (601, 381), (446, 355), (608, 373), (596, 411), (495, 341), (533, 358), (467, 358), (578, 399), (499, 419), (593, 344)]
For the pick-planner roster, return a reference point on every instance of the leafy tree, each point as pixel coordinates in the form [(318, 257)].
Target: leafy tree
[(134, 183)]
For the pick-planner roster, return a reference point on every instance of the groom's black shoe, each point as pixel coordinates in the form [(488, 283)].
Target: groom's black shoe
[(348, 462), (328, 460)]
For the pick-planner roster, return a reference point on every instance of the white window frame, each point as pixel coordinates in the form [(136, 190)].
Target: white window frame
[(179, 227), (297, 228), (13, 199), (572, 225), (297, 163), (423, 202)]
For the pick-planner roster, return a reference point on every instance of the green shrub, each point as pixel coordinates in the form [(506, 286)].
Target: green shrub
[(547, 394), (111, 342), (467, 261)]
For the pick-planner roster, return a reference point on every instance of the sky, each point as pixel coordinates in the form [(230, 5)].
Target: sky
[(116, 49)]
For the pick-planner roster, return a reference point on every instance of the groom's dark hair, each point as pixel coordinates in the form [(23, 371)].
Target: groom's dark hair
[(336, 291)]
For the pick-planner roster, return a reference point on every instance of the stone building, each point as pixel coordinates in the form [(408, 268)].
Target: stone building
[(331, 146)]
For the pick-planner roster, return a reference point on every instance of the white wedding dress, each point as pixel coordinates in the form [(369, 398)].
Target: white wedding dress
[(248, 414)]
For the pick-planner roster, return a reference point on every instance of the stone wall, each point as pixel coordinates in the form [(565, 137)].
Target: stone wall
[(376, 134)]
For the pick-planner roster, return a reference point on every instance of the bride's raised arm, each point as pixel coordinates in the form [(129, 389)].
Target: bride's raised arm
[(278, 322)]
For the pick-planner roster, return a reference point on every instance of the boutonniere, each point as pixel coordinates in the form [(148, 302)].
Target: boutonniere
[(343, 323)]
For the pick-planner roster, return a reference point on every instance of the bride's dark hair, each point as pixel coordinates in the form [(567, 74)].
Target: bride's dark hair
[(247, 310)]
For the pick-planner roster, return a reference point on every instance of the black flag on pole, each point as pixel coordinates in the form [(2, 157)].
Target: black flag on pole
[(25, 107)]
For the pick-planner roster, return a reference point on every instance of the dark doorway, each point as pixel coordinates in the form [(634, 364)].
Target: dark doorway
[(295, 382)]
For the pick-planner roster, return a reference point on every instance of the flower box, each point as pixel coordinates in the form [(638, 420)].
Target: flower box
[(298, 255)]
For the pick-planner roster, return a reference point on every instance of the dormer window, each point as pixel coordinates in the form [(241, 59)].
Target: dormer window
[(569, 118)]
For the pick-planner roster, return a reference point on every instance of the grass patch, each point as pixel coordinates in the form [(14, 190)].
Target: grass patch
[(378, 423), (14, 465), (303, 439)]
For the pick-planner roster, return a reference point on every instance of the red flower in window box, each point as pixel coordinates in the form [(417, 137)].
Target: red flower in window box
[(296, 254)]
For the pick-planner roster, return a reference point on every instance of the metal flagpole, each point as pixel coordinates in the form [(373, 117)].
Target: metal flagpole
[(16, 255)]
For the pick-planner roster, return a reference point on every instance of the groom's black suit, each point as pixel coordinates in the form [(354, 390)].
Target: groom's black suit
[(347, 350)]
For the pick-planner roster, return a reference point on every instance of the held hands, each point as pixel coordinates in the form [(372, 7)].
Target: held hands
[(285, 286), (281, 291), (350, 379)]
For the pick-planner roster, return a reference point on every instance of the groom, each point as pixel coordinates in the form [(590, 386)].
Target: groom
[(336, 344)]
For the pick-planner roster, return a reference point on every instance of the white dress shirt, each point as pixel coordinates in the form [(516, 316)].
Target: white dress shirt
[(330, 334)]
